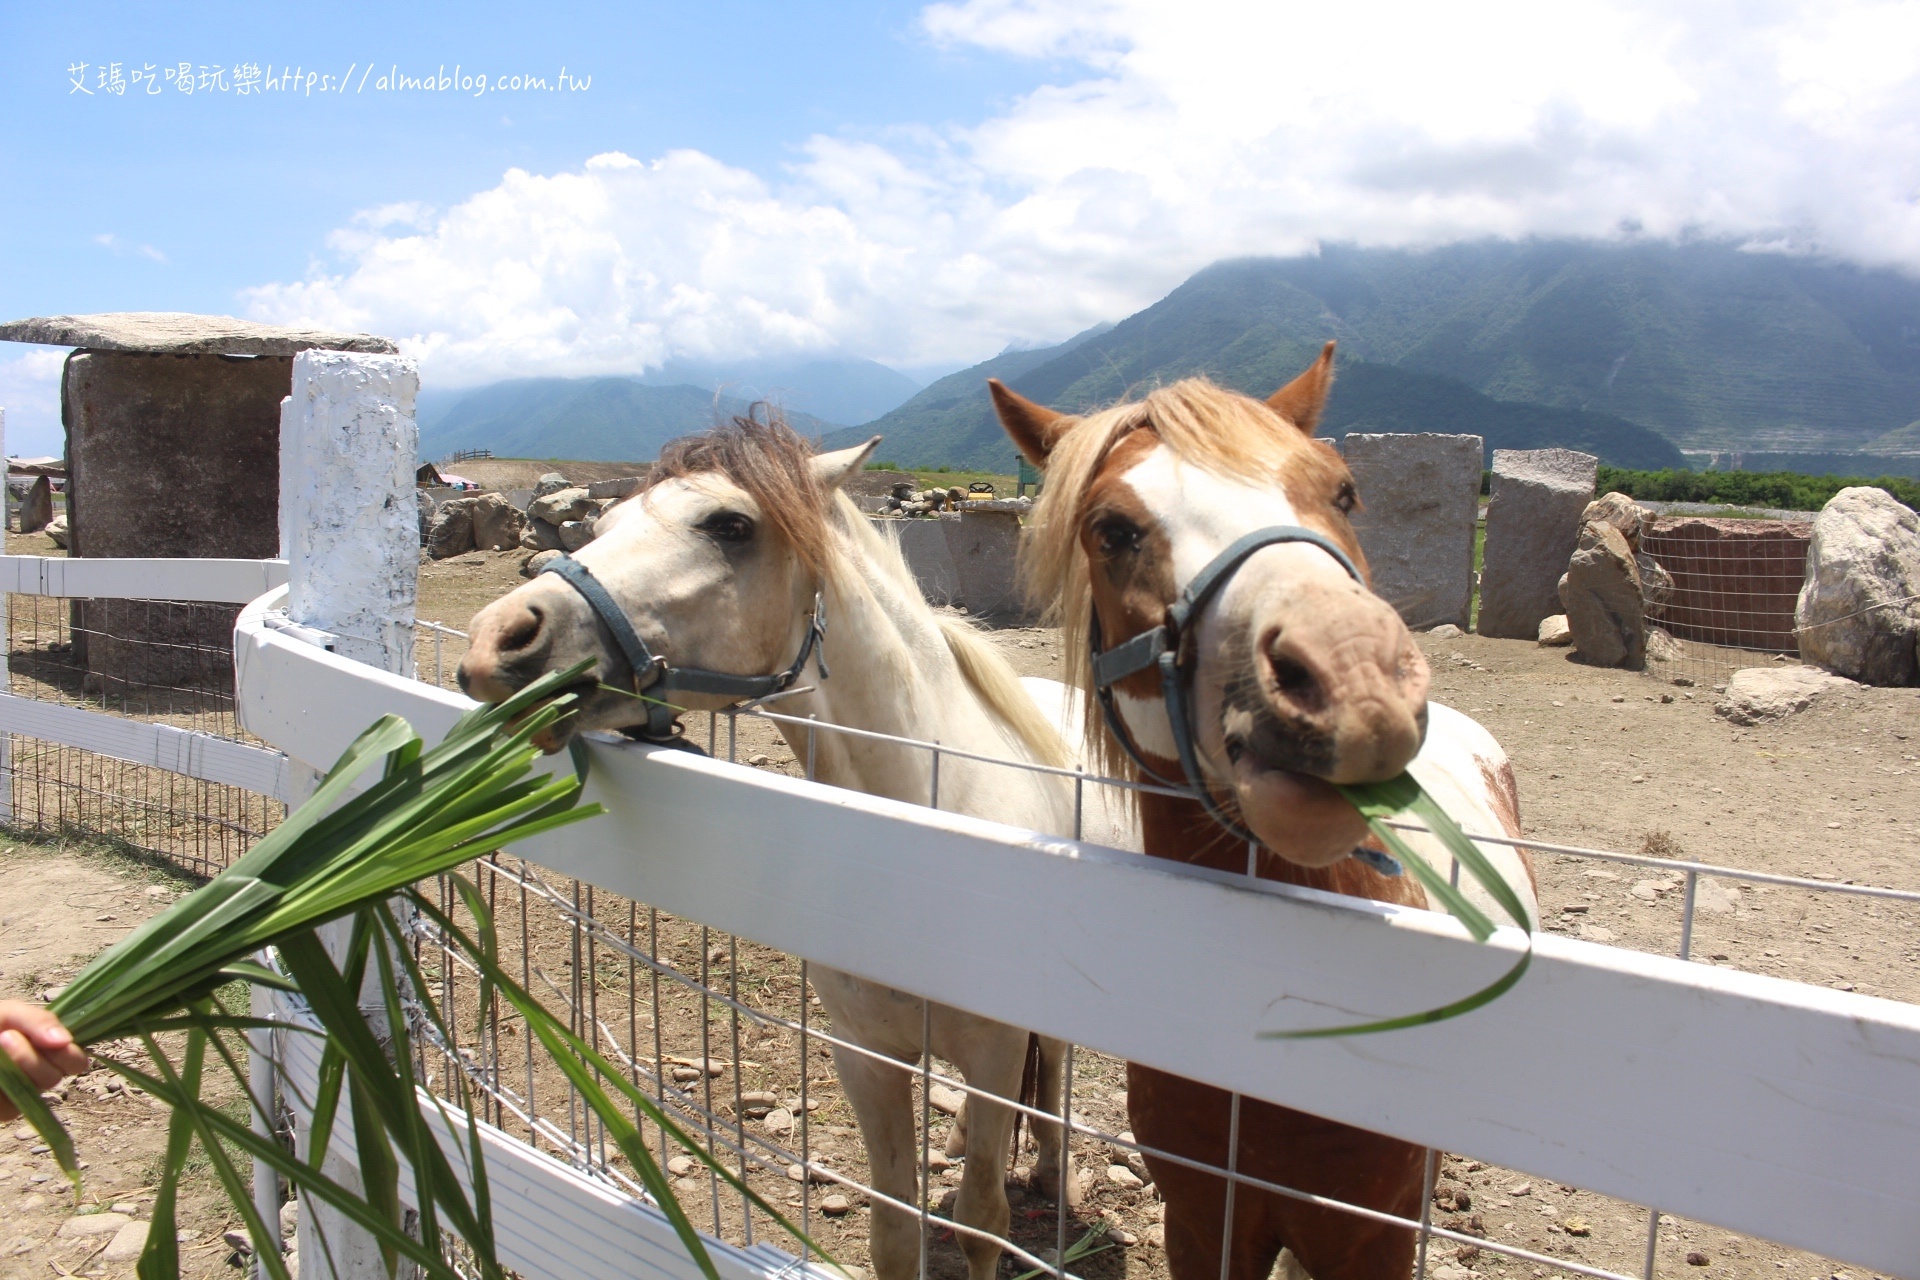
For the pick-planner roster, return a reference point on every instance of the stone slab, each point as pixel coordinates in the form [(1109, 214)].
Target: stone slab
[(184, 333), (1533, 524), (1725, 581), (619, 487), (1419, 497), (924, 545), (985, 545)]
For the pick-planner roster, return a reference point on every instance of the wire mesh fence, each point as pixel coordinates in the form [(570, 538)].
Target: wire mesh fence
[(1720, 593), (731, 1038), (156, 661)]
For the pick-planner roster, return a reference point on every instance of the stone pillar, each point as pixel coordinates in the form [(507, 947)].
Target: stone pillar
[(984, 545), (349, 521), (1420, 499), (923, 544), (1533, 525)]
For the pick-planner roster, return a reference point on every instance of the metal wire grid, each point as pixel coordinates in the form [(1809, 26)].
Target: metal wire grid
[(1722, 593), (772, 1116), (168, 662)]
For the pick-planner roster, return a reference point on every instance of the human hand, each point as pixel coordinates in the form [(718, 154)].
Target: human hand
[(38, 1045)]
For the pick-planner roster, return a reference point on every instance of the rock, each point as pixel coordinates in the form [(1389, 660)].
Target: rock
[(424, 502), (1601, 592), (923, 543), (1419, 497), (183, 333), (623, 487), (946, 1101), (1662, 647), (560, 506), (1124, 1178), (682, 1075), (1445, 631), (496, 522), (778, 1121), (1715, 899), (1656, 584), (757, 1104), (538, 535), (1554, 632), (1695, 1258), (238, 1241), (552, 482), (126, 1244), (289, 1219), (93, 1224), (681, 1166), (575, 534), (537, 562), (450, 533), (1533, 528), (1853, 615), (836, 1206), (57, 530), (983, 545), (1726, 582), (1520, 1189), (1596, 933), (1576, 1227), (36, 506), (1768, 693), (1620, 511)]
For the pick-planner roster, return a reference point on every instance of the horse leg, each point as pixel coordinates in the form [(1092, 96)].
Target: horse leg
[(882, 1100), (957, 1133), (992, 1063), (1054, 1166), (1192, 1120), (1343, 1163)]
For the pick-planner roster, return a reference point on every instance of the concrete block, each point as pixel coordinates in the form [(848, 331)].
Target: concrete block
[(1533, 526), (1420, 496), (924, 544), (984, 545)]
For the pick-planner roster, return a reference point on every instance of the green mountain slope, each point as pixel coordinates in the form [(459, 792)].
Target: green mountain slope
[(611, 419)]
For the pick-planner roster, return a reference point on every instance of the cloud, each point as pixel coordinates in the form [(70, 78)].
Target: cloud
[(1172, 136), (109, 241), (30, 394)]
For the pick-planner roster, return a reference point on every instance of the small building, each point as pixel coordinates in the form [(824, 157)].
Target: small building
[(173, 450)]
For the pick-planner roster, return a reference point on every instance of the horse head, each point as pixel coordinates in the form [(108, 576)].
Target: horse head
[(1215, 527), (695, 592)]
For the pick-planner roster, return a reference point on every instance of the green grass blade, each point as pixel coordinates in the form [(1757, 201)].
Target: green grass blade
[(25, 1096), (160, 1257), (1466, 1004)]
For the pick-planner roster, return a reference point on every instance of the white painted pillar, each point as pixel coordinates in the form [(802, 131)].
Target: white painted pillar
[(349, 524), (6, 636), (349, 531)]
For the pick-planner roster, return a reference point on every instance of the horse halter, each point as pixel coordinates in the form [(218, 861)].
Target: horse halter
[(1162, 646), (661, 727)]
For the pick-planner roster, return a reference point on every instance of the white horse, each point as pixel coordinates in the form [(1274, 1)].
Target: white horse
[(740, 542)]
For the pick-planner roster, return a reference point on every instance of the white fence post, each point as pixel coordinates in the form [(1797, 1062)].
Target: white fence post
[(349, 532), (6, 635)]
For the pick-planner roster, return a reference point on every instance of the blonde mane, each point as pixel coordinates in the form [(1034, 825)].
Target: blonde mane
[(1204, 424)]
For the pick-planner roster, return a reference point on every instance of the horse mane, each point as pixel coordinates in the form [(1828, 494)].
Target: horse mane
[(772, 463), (1205, 424)]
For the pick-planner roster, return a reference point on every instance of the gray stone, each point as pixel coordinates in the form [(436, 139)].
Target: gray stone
[(1554, 632), (520, 498), (126, 1244), (552, 482), (561, 505), (450, 532), (537, 561), (1620, 511), (1533, 526), (538, 535), (1606, 612), (426, 506), (36, 507), (183, 333), (496, 522), (575, 534), (620, 487), (87, 1225), (1419, 498), (1445, 631), (983, 545), (1768, 693), (1854, 615), (923, 543)]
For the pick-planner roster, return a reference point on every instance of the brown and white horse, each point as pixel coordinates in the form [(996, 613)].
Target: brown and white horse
[(739, 545), (1300, 678)]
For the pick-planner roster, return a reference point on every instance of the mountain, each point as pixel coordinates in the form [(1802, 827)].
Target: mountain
[(836, 389), (615, 419)]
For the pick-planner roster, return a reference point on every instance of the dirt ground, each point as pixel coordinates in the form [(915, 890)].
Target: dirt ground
[(1606, 759), (64, 902)]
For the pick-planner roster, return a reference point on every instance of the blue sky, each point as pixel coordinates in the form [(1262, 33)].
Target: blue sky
[(914, 184)]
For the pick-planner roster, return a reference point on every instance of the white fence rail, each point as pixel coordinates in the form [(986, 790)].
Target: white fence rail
[(1760, 1105)]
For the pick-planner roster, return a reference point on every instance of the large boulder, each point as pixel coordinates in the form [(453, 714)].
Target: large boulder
[(1533, 527), (451, 531), (538, 535), (57, 530), (1602, 594), (425, 505), (1620, 511), (552, 482), (36, 506), (1419, 496), (984, 544), (1725, 581), (619, 487), (575, 534), (1856, 614), (496, 522), (560, 506), (1762, 693)]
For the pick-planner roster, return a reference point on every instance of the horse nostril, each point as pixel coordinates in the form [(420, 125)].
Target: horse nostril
[(521, 631), (1294, 682)]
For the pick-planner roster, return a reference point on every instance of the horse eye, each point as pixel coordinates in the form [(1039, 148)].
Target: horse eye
[(728, 526), (1347, 498), (1114, 535)]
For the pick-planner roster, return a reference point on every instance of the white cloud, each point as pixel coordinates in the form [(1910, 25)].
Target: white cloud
[(1178, 135), (30, 394)]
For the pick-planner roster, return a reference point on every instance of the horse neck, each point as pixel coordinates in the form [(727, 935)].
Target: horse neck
[(892, 673), (1183, 831)]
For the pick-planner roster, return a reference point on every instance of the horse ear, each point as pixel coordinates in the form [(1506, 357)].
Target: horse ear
[(1035, 428), (832, 469), (1301, 401)]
